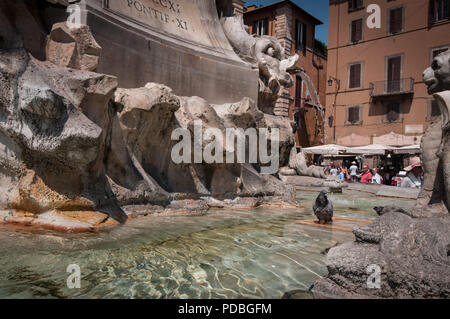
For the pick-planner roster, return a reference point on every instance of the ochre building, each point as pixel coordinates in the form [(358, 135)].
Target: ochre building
[(375, 92)]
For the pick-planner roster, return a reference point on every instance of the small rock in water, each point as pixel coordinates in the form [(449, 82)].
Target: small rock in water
[(298, 294)]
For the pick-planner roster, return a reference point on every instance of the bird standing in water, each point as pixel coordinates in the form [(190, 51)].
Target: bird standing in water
[(323, 208)]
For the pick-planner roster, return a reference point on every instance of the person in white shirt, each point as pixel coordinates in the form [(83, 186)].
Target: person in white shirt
[(413, 178), (334, 171), (354, 172), (376, 178)]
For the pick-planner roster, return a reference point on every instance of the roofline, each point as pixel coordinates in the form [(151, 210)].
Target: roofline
[(316, 21)]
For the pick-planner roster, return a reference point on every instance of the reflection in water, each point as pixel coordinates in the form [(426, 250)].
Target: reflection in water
[(261, 253)]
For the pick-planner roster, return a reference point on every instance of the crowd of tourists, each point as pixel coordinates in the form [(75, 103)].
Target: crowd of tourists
[(410, 177)]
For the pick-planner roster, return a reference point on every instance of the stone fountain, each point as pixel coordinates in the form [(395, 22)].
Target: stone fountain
[(91, 93), (87, 112)]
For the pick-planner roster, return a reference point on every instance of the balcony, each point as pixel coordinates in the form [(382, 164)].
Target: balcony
[(392, 88)]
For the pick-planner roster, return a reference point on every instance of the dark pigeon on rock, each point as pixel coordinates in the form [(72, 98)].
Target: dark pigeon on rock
[(323, 208)]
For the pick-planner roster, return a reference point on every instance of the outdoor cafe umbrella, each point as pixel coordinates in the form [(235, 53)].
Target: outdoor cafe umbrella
[(330, 149)]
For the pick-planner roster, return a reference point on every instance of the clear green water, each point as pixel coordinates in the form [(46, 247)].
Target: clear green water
[(261, 253)]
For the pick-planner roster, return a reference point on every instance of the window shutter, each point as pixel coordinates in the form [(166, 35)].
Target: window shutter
[(358, 75), (304, 37), (298, 91), (353, 115), (356, 33), (448, 9), (355, 4), (359, 30), (431, 12), (352, 77), (399, 19), (396, 19), (353, 35), (391, 21), (355, 76)]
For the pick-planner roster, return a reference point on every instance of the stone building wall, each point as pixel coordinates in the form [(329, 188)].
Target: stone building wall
[(283, 32), (281, 24)]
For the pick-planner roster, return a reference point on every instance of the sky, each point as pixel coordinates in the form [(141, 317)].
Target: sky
[(317, 8)]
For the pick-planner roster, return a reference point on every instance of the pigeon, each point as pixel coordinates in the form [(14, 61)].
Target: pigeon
[(323, 208)]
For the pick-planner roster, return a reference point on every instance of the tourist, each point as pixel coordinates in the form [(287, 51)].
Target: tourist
[(388, 175), (414, 177), (366, 175), (334, 171), (341, 174), (327, 169), (354, 172), (344, 171), (376, 178)]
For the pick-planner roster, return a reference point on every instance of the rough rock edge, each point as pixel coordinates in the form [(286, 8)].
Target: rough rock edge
[(49, 106)]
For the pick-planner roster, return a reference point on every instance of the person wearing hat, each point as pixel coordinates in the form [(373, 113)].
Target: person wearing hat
[(354, 172), (413, 178)]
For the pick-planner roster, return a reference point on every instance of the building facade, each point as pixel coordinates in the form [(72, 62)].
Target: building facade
[(295, 29), (375, 92)]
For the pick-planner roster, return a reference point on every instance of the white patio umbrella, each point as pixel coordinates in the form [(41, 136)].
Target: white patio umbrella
[(410, 149), (330, 149), (373, 149)]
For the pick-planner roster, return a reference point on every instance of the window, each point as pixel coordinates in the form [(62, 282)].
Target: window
[(434, 112), (300, 35), (354, 80), (436, 51), (353, 115), (396, 20), (298, 92), (394, 73), (355, 5), (393, 112), (439, 10), (261, 27), (356, 31)]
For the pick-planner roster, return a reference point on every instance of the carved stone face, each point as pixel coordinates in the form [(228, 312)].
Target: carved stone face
[(437, 77), (269, 54)]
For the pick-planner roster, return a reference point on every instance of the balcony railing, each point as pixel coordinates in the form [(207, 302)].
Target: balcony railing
[(389, 88)]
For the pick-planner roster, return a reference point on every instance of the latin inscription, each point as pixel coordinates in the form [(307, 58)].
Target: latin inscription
[(151, 12)]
